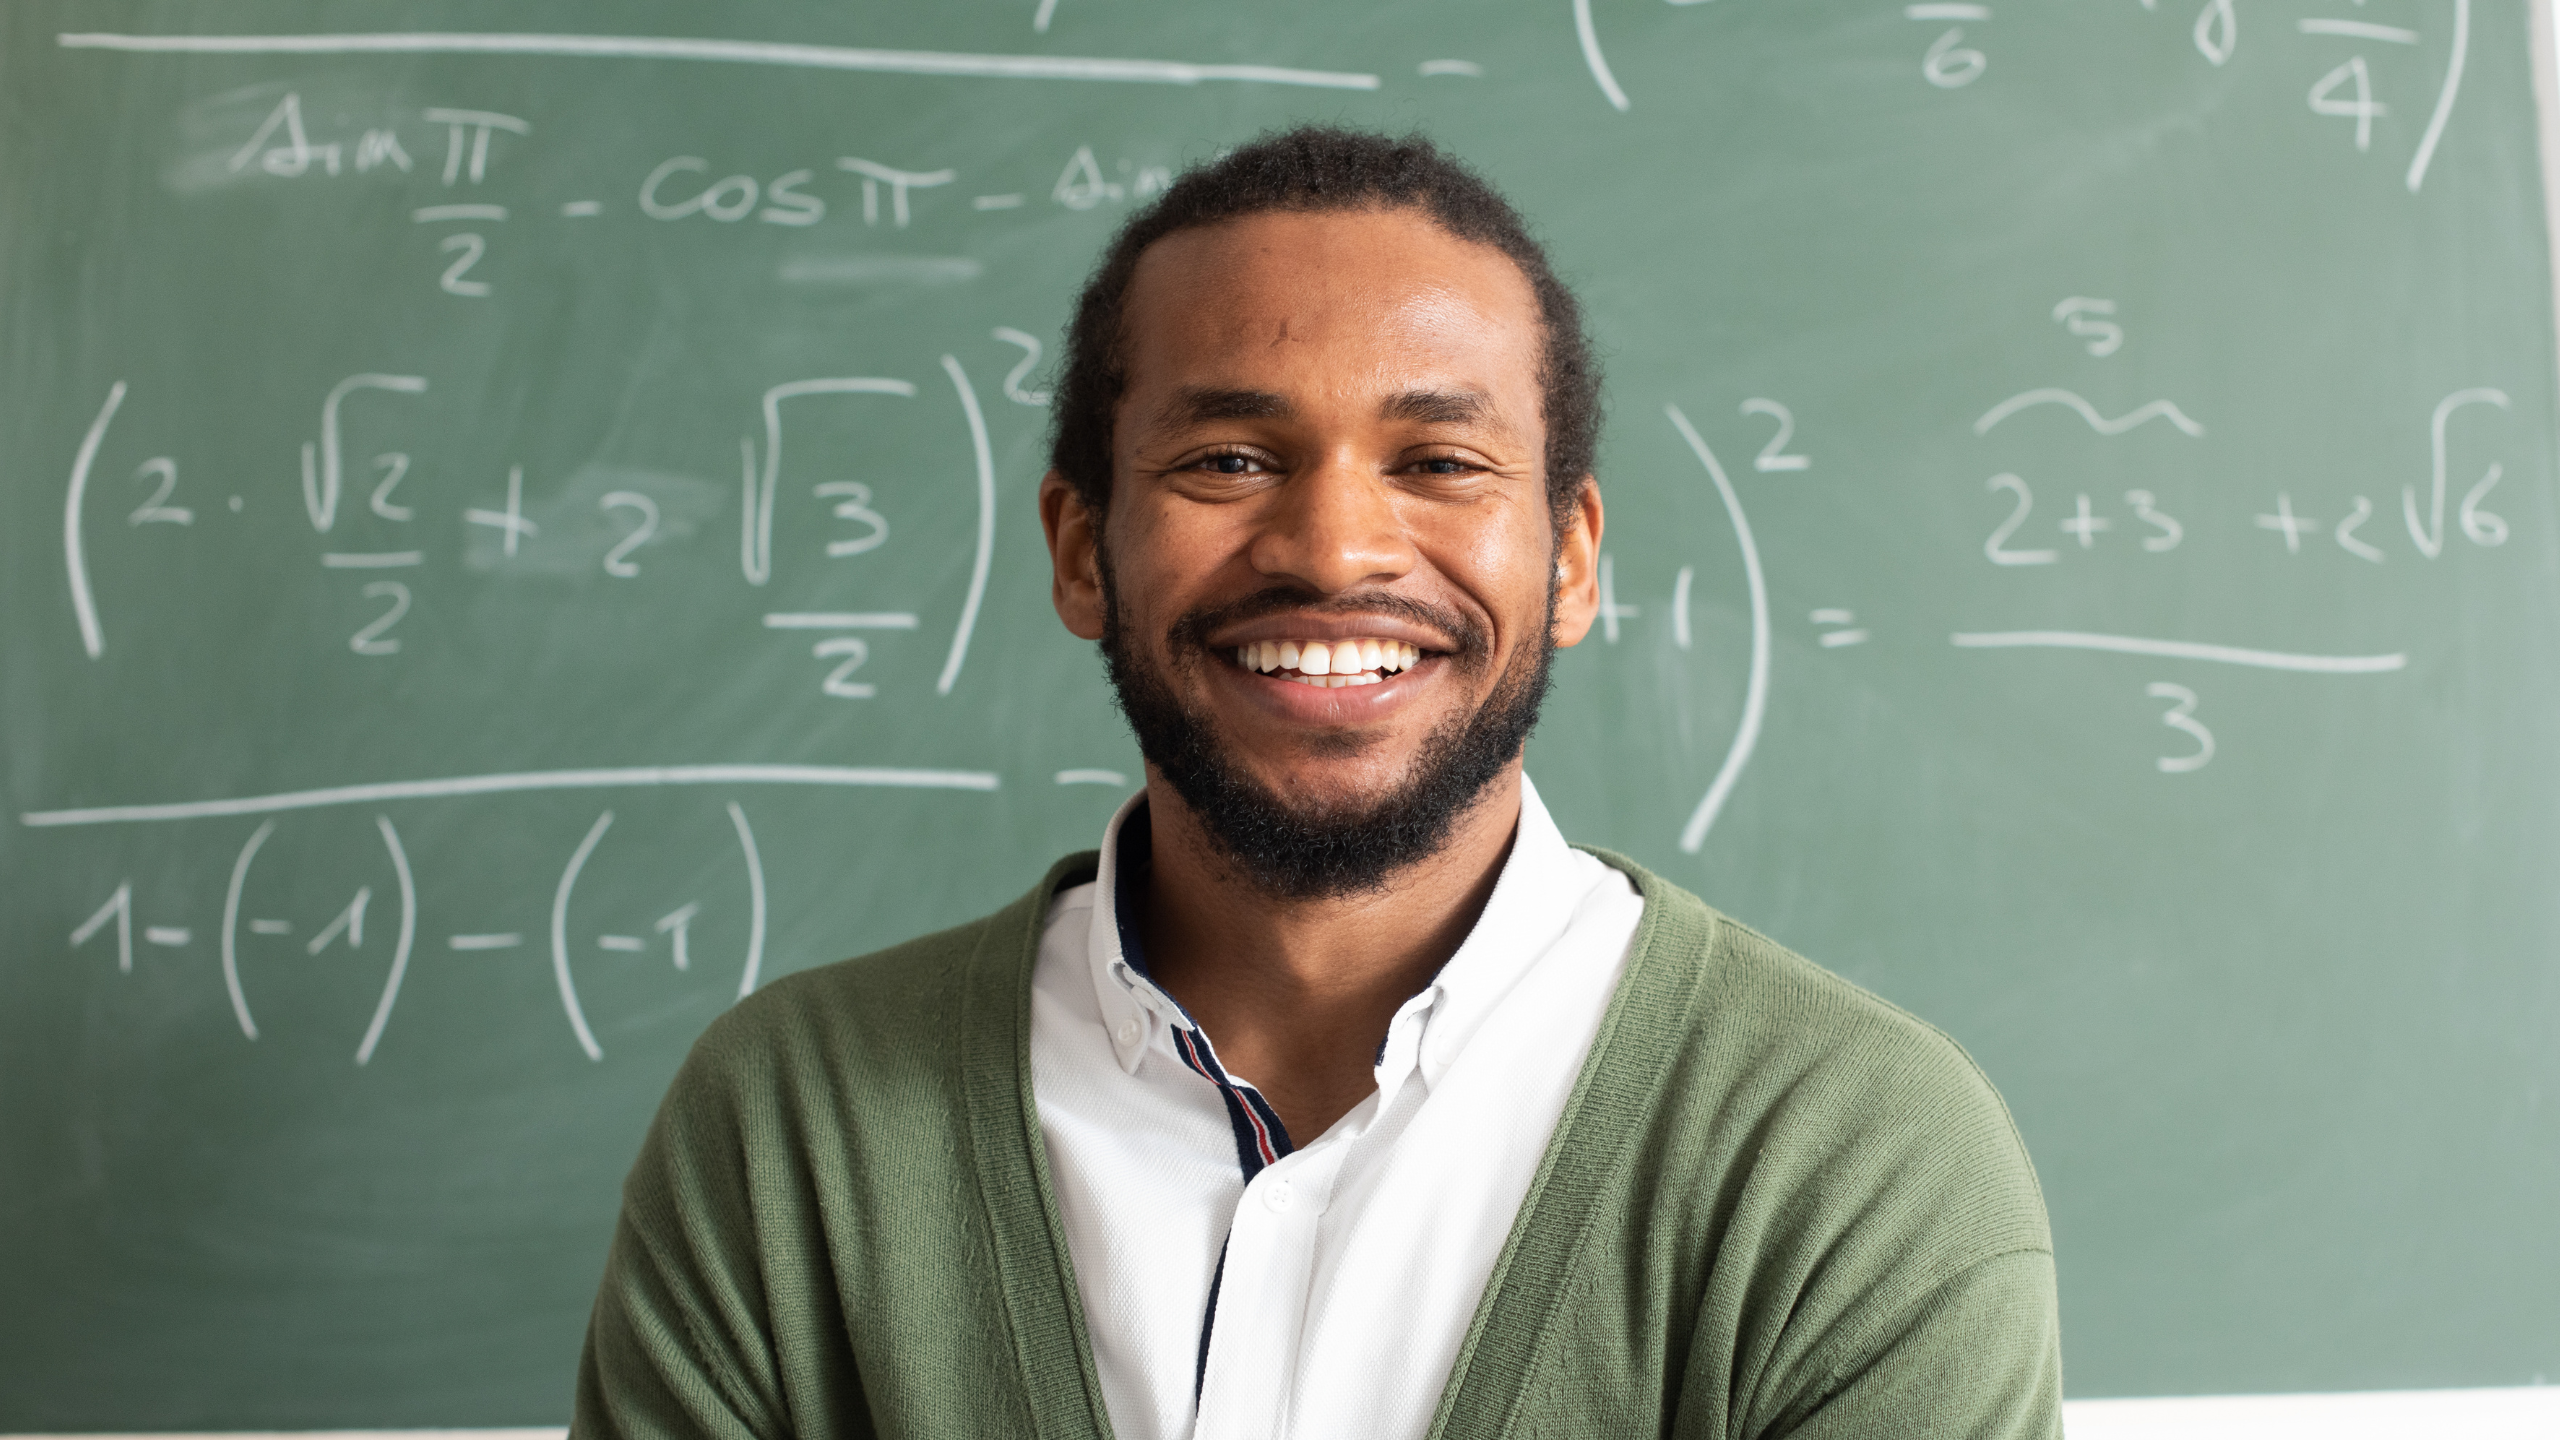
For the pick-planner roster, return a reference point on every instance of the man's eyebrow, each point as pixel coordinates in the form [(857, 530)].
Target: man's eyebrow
[(1195, 405), (1438, 407)]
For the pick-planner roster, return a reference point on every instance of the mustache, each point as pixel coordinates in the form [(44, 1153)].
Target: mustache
[(1190, 633)]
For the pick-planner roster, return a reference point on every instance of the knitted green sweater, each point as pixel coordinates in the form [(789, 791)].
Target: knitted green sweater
[(1774, 1205)]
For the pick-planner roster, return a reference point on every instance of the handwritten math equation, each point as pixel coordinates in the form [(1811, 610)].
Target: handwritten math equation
[(464, 180), (2444, 512), (681, 188), (2422, 508), (2336, 57), (253, 945), (382, 566)]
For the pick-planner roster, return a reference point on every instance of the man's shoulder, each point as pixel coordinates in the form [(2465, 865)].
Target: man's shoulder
[(1781, 1003), (1830, 1085)]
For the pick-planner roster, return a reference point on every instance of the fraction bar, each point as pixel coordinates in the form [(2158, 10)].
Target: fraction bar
[(2180, 650), (630, 777), (2359, 30), (372, 559), (841, 620), (749, 52)]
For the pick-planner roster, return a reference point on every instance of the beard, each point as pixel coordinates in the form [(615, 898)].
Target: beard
[(1297, 851)]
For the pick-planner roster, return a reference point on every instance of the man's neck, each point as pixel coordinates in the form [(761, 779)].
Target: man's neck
[(1296, 994)]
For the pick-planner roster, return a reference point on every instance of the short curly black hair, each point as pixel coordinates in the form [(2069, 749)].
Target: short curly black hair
[(1321, 168)]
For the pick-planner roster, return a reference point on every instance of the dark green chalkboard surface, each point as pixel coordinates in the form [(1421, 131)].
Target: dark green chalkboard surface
[(518, 528)]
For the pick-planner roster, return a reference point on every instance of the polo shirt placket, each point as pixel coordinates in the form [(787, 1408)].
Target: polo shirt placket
[(1285, 1254)]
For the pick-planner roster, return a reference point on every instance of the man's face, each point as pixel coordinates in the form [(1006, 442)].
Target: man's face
[(1329, 562)]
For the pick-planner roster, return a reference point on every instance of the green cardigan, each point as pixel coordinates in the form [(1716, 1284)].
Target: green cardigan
[(1774, 1205)]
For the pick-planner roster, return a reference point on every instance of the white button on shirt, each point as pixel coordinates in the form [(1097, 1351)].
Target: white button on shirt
[(1332, 1280)]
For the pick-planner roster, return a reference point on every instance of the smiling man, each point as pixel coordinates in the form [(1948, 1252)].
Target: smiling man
[(1336, 1095)]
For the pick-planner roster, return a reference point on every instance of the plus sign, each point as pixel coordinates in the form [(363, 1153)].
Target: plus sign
[(511, 520), (2085, 525), (1611, 612), (2291, 524)]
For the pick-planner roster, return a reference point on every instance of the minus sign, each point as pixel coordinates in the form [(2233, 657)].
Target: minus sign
[(996, 202), (484, 942), (583, 207)]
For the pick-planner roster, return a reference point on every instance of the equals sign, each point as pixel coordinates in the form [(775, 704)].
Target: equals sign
[(1834, 639)]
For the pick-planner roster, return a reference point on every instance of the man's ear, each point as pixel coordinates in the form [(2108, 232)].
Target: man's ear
[(1075, 558), (1578, 566)]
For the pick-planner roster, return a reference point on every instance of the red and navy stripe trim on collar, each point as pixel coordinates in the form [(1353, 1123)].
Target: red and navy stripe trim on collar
[(1260, 1137)]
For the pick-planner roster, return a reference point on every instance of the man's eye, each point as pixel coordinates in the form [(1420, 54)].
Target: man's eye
[(1228, 464), (1444, 465)]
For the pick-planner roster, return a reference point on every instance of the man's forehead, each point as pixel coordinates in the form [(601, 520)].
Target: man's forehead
[(1388, 290)]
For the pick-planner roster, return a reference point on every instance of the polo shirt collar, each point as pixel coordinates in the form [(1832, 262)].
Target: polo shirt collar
[(1132, 1007), (1532, 903)]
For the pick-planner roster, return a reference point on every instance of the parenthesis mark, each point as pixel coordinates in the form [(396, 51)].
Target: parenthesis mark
[(231, 927), (560, 936), (400, 951), (2444, 97), (1592, 57), (1756, 696), (84, 606), (755, 900), (986, 526)]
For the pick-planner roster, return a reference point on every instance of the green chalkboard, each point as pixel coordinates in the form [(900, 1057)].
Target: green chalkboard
[(518, 528)]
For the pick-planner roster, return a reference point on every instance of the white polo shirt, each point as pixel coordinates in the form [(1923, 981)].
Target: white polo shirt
[(1237, 1283)]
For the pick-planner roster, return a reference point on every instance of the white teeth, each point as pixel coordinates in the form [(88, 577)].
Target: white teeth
[(1329, 664)]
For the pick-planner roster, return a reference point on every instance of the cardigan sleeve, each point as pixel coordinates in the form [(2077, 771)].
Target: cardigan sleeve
[(682, 1340), (647, 1372), (1979, 1358), (1888, 1269)]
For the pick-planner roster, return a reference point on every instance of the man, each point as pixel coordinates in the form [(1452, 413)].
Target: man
[(1337, 1096)]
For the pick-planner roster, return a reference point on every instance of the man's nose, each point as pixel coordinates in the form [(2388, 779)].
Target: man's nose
[(1333, 527)]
